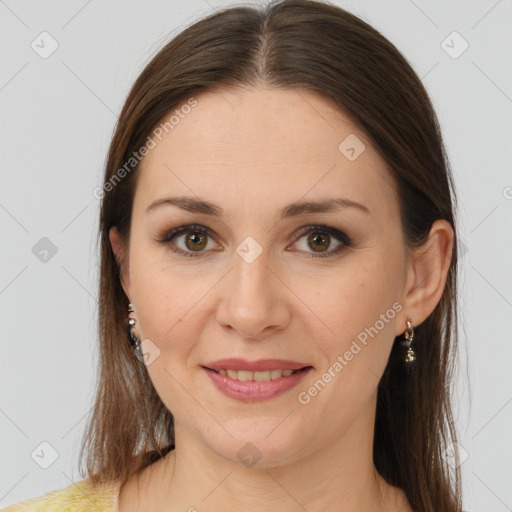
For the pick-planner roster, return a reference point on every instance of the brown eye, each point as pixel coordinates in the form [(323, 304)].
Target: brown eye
[(187, 240), (192, 241), (320, 238), (195, 241), (318, 241)]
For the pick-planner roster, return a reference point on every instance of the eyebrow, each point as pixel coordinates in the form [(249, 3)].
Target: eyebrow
[(198, 205)]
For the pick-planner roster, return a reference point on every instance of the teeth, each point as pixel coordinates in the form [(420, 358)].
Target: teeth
[(257, 376), (232, 374), (275, 374)]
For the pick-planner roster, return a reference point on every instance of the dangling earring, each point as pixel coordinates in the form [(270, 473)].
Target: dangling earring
[(409, 336), (134, 340)]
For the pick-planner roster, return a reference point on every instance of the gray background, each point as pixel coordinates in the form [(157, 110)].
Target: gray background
[(56, 118)]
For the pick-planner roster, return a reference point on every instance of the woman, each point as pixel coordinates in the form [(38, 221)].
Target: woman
[(278, 309)]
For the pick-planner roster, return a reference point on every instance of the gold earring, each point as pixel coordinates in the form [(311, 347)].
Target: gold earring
[(409, 336)]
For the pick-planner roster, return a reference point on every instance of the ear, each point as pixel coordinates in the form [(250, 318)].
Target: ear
[(118, 249), (427, 273)]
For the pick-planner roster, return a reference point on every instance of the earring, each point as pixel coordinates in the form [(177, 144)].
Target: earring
[(409, 336), (134, 340)]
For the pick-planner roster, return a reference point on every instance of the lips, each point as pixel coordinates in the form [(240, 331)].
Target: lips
[(255, 390), (261, 365)]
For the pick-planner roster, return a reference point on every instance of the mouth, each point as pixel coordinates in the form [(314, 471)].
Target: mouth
[(257, 376), (255, 386)]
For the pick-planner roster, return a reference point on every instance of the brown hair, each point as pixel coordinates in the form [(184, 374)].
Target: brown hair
[(319, 47)]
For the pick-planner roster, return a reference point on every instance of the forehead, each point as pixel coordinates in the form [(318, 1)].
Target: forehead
[(271, 145)]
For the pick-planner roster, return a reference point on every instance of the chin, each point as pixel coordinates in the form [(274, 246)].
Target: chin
[(256, 448)]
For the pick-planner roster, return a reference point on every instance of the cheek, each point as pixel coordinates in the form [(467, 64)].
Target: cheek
[(356, 311), (351, 298), (166, 300)]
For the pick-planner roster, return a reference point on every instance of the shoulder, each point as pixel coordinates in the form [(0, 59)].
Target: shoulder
[(79, 496)]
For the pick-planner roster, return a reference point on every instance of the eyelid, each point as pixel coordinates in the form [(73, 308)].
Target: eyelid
[(321, 228), (343, 239), (170, 235), (180, 230)]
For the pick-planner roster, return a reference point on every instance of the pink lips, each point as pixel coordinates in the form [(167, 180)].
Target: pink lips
[(261, 365), (255, 391)]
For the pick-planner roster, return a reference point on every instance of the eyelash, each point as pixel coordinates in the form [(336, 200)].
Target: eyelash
[(345, 240)]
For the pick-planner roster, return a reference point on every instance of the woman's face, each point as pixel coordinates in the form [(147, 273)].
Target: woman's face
[(325, 289)]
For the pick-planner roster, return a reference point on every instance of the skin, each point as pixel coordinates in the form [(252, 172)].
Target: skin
[(252, 151)]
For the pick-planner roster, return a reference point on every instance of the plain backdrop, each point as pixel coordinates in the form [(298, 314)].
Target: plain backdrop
[(57, 114)]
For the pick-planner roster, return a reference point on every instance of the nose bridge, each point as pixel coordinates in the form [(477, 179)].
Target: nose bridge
[(252, 303), (251, 272)]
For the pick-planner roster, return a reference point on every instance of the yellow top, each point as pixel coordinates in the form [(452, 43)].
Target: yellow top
[(79, 496)]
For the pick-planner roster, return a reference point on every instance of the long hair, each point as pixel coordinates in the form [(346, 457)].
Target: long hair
[(301, 45)]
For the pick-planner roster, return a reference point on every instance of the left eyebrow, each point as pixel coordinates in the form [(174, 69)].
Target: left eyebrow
[(198, 205)]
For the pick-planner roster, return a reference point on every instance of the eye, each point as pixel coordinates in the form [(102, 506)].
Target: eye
[(195, 240), (320, 238)]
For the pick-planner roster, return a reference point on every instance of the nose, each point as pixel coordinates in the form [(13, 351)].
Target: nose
[(255, 299)]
